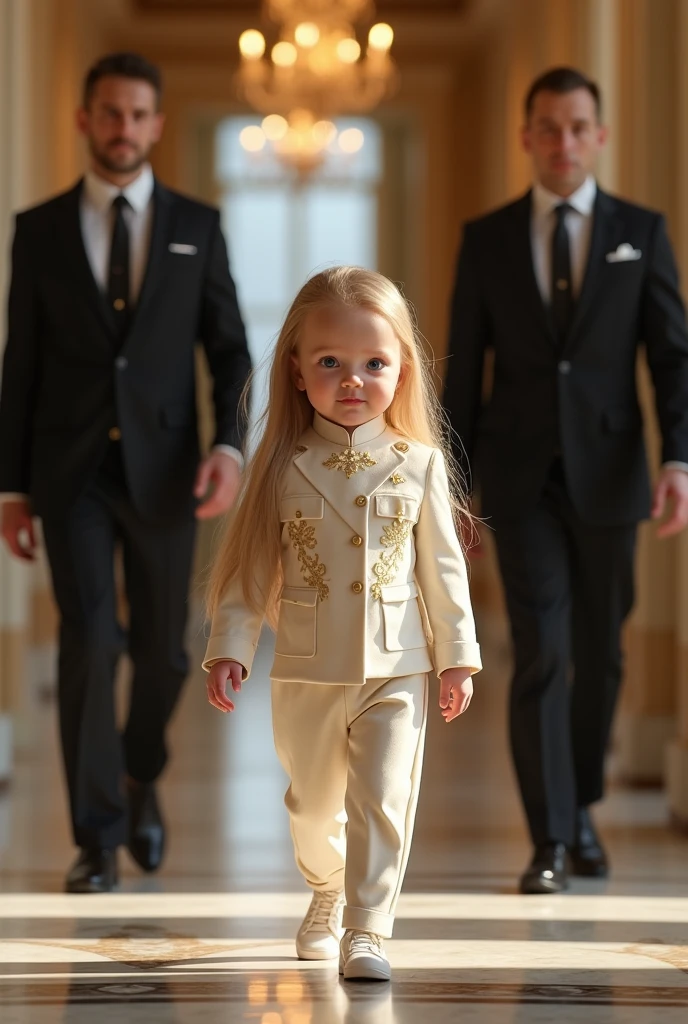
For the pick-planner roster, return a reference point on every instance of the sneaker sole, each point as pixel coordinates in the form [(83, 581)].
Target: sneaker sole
[(363, 969), (310, 954)]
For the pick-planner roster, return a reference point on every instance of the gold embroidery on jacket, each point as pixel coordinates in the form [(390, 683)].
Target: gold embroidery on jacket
[(394, 537), (349, 461), (397, 478), (302, 536)]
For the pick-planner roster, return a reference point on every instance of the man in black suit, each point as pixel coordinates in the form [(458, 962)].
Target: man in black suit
[(113, 284), (563, 286)]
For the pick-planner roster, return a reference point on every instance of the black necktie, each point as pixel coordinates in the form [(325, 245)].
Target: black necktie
[(562, 290), (118, 274)]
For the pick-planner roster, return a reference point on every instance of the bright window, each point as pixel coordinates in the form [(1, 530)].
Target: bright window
[(281, 229)]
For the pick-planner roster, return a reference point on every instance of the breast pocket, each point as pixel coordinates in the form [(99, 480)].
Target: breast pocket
[(296, 628), (397, 506), (401, 617)]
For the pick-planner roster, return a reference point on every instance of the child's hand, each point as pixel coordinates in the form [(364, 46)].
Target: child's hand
[(456, 690), (218, 677)]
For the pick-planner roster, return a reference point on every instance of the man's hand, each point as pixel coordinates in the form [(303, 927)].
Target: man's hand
[(17, 528), (218, 677), (671, 490), (221, 473), (456, 690)]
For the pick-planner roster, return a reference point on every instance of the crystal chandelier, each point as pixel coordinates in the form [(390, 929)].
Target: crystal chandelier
[(316, 70)]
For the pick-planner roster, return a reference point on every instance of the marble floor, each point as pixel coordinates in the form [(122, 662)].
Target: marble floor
[(210, 938)]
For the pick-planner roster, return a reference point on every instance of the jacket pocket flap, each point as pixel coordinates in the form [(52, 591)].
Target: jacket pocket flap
[(393, 505), (307, 597), (301, 506), (398, 592)]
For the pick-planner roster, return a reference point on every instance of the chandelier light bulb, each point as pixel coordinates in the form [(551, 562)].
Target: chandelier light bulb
[(324, 64), (351, 140), (252, 44), (284, 55), (307, 34), (381, 36), (275, 127), (252, 138), (348, 51)]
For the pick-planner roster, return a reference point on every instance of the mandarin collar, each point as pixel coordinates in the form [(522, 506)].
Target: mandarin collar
[(337, 434)]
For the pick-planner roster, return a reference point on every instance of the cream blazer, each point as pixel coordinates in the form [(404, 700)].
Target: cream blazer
[(375, 582)]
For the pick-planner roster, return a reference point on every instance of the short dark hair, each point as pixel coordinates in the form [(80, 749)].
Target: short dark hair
[(563, 80), (122, 65)]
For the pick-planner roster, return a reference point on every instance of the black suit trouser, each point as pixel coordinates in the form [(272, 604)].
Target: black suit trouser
[(81, 545), (569, 588)]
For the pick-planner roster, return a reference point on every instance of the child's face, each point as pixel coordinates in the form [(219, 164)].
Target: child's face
[(348, 361)]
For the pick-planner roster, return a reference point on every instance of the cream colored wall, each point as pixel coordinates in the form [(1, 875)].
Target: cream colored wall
[(25, 77)]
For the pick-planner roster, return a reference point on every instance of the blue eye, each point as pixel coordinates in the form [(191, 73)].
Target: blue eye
[(329, 362), (375, 364)]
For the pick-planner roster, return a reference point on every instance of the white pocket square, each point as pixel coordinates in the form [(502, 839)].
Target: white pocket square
[(182, 248), (625, 253)]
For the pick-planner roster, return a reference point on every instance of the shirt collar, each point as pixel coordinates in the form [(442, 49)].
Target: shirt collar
[(582, 200), (101, 194), (340, 435)]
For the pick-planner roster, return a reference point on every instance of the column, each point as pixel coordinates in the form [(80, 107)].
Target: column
[(677, 749), (648, 69), (34, 38)]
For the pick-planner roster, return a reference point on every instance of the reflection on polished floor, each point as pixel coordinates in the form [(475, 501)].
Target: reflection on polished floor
[(211, 937)]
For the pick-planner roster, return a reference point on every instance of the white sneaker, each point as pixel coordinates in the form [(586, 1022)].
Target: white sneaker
[(362, 956), (319, 935)]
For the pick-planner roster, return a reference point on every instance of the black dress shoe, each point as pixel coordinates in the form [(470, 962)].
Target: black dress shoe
[(93, 871), (547, 872), (146, 828), (587, 854)]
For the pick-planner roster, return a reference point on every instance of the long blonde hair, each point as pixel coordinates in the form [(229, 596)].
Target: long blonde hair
[(250, 547)]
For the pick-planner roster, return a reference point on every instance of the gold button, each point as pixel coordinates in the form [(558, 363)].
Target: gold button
[(119, 304), (114, 433), (361, 500), (298, 515), (357, 541), (357, 587), (401, 446)]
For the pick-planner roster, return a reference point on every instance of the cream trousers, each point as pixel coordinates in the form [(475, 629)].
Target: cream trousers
[(353, 755)]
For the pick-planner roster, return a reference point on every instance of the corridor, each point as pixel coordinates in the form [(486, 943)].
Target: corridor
[(211, 938)]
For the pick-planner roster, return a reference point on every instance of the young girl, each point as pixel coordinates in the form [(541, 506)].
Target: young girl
[(344, 537)]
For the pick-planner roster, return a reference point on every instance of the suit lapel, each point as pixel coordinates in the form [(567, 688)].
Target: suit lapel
[(338, 491), (76, 257), (605, 227), (524, 267), (163, 207)]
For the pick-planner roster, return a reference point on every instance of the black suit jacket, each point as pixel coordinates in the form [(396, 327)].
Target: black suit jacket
[(581, 398), (66, 382)]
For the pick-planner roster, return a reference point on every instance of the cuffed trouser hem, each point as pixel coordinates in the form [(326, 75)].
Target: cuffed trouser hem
[(360, 920)]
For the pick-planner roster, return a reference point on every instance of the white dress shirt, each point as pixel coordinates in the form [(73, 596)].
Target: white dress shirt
[(97, 217), (97, 220), (578, 224)]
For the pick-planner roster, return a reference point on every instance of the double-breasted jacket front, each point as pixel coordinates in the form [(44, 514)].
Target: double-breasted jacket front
[(375, 581)]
